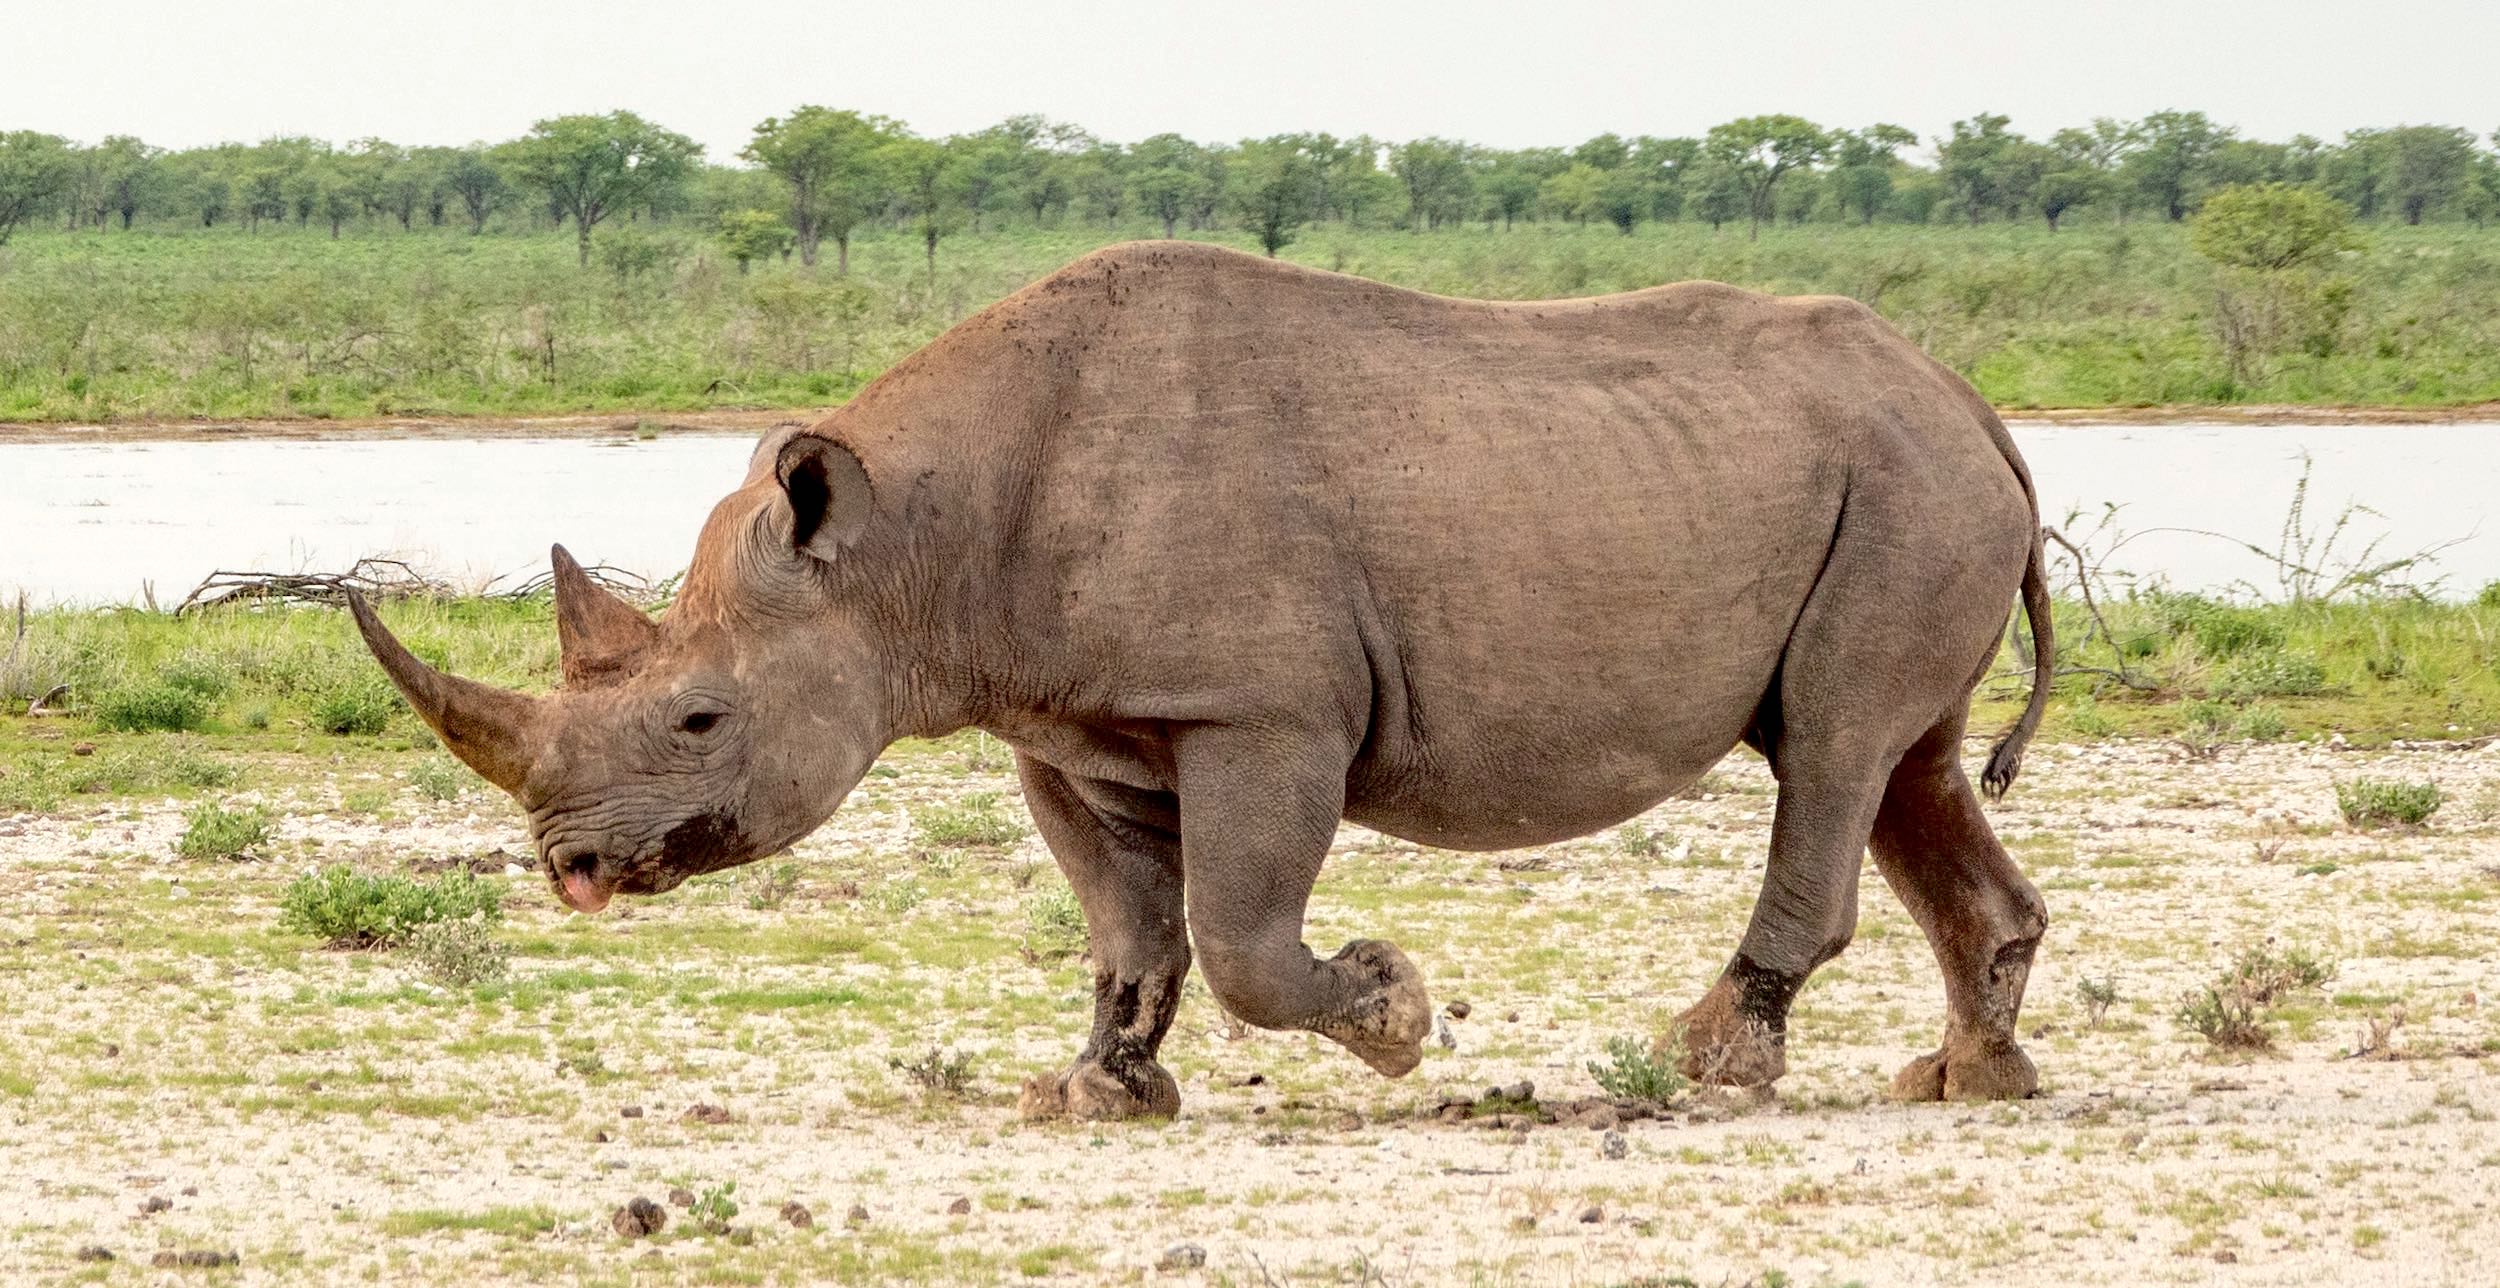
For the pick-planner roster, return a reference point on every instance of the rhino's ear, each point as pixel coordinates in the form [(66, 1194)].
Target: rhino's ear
[(828, 494)]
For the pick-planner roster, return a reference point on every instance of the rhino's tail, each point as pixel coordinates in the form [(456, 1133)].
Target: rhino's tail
[(2006, 760)]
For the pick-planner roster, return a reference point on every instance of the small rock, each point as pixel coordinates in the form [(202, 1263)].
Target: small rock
[(1441, 1033), (796, 1213), (638, 1218), (630, 1111), (742, 1236), (712, 1114), (1592, 1214), (1522, 1091), (959, 1207), (600, 1137), (112, 1050), (1254, 1080), (1182, 1256), (95, 1252), (1614, 1144), (2226, 1256), (1457, 1010), (1600, 1118), (1512, 1018), (156, 1203), (858, 1215), (82, 749), (312, 1084), (1348, 1121), (681, 1197), (190, 1191)]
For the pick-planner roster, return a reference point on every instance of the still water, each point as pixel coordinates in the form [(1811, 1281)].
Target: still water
[(91, 523)]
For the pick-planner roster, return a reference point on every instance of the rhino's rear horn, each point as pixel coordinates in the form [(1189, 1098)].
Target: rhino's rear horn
[(491, 730), (597, 633)]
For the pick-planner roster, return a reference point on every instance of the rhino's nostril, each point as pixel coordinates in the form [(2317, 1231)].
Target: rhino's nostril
[(579, 865)]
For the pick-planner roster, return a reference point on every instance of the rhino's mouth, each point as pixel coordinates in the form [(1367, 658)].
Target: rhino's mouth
[(705, 843)]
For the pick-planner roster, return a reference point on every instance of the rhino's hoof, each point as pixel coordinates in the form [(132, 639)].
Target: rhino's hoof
[(1968, 1069), (1389, 1015), (1086, 1090), (1725, 1047)]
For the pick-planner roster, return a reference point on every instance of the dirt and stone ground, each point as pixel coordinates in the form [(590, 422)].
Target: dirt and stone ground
[(179, 1076)]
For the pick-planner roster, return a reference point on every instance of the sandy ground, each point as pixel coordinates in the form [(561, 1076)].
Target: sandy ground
[(331, 1117)]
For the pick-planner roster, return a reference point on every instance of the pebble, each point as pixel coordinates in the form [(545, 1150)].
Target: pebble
[(796, 1214), (95, 1252), (858, 1215), (1614, 1144), (681, 1197), (712, 1114), (1592, 1214), (630, 1111), (156, 1203), (1182, 1256), (1457, 1010), (959, 1207)]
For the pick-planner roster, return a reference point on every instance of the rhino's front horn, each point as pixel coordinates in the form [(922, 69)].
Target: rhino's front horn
[(597, 633), (491, 730)]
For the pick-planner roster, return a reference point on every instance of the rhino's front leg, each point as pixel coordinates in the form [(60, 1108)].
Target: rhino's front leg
[(1119, 851), (1258, 810)]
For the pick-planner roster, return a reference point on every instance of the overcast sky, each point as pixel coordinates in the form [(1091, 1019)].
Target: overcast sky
[(184, 72)]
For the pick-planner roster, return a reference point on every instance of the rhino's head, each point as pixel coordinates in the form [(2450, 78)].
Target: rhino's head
[(718, 735)]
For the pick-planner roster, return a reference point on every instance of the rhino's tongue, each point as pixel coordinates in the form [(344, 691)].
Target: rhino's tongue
[(583, 893)]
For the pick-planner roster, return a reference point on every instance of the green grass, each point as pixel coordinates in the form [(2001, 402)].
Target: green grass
[(170, 323)]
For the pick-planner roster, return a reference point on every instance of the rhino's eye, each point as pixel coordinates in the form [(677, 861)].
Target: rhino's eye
[(699, 721)]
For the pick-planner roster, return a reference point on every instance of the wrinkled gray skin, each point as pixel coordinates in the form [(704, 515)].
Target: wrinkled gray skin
[(1230, 550)]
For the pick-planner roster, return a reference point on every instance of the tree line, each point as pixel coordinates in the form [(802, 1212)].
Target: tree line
[(820, 174)]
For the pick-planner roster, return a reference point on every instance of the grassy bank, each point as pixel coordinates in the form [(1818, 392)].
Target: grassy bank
[(172, 704), (167, 325)]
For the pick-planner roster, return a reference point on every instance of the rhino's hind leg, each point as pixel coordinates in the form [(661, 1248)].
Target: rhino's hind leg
[(1737, 1034), (1118, 850), (1257, 814), (1982, 918)]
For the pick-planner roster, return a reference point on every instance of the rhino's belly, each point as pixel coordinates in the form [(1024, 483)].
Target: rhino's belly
[(1533, 794)]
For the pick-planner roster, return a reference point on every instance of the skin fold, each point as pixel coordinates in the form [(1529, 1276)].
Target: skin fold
[(1230, 551)]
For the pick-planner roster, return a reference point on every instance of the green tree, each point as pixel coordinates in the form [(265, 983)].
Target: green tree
[(473, 175), (829, 160), (754, 234), (2168, 159), (2274, 244), (1863, 165), (1720, 197), (927, 189), (1269, 185), (2427, 167), (1575, 194), (1439, 183), (1758, 151), (1166, 175), (35, 169), (2073, 172), (1509, 189), (130, 170), (1986, 166), (590, 167)]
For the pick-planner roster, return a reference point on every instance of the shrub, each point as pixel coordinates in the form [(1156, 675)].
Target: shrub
[(2270, 673), (2226, 1019), (978, 823), (198, 673), (769, 887), (211, 831), (2489, 596), (2097, 996), (191, 769), (159, 707), (2262, 724), (944, 1073), (2381, 802), (459, 952), (438, 778), (1055, 921), (345, 908), (358, 707), (2220, 630), (2263, 975), (1633, 1070)]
